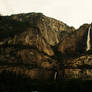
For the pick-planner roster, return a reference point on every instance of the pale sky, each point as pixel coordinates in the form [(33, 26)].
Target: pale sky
[(72, 12)]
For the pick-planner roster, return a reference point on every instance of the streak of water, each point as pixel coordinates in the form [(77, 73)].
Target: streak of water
[(88, 40)]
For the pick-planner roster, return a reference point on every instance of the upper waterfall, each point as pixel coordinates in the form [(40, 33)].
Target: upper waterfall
[(88, 40)]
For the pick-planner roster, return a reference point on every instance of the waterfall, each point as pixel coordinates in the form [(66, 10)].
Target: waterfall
[(88, 40), (55, 75)]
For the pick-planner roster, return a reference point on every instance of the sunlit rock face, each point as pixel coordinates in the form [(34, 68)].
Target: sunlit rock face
[(34, 29), (85, 74), (76, 42), (26, 42), (34, 45), (80, 67), (85, 60), (48, 27)]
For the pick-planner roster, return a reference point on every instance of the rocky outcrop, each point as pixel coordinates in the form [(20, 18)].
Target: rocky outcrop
[(41, 47), (48, 27), (80, 67), (33, 29), (77, 61), (76, 42), (26, 42)]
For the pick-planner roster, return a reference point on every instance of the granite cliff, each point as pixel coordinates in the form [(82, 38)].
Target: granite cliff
[(37, 46)]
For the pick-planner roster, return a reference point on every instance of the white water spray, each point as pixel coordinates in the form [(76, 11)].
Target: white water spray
[(88, 40), (55, 75)]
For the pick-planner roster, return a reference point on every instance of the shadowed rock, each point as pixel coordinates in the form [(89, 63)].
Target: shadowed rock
[(37, 46)]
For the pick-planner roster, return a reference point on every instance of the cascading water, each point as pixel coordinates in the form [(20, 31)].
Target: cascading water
[(88, 40), (55, 75)]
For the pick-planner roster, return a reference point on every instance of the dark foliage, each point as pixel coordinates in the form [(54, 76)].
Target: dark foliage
[(12, 82)]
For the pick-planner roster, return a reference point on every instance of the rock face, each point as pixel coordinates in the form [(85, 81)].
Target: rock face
[(37, 46), (81, 67), (49, 28), (76, 42), (26, 42)]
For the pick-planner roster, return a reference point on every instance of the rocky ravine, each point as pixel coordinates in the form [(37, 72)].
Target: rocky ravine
[(38, 46)]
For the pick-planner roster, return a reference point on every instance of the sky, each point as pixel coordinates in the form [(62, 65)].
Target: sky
[(72, 12)]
